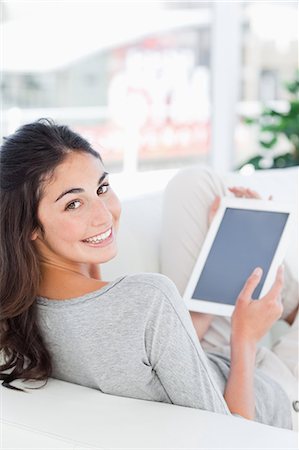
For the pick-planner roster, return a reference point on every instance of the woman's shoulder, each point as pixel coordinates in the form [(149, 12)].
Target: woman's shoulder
[(157, 281), (153, 286)]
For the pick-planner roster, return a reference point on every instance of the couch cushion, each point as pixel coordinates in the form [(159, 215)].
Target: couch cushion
[(138, 237)]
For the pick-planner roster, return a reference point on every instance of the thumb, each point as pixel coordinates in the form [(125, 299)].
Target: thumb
[(250, 285), (213, 208)]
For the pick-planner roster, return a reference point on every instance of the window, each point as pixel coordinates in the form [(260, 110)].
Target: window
[(159, 91), (269, 58), (142, 99)]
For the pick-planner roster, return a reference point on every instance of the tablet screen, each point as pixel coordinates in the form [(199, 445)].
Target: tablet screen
[(246, 239)]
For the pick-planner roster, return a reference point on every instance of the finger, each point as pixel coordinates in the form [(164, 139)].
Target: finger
[(238, 192), (215, 205), (237, 189), (250, 285), (279, 301), (276, 288), (244, 192), (213, 208), (253, 194)]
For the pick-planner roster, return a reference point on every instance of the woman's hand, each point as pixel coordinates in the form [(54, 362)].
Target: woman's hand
[(252, 319), (250, 322), (238, 191), (213, 209), (242, 192)]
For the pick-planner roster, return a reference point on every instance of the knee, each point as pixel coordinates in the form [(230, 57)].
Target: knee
[(196, 180)]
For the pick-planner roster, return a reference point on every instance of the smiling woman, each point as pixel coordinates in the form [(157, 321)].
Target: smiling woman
[(41, 209), (79, 225), (132, 336)]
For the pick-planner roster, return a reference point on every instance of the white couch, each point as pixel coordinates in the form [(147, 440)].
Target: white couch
[(67, 416)]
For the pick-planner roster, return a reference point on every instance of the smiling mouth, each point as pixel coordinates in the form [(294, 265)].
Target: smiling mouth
[(99, 237)]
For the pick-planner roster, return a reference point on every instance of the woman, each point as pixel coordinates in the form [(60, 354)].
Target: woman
[(132, 336)]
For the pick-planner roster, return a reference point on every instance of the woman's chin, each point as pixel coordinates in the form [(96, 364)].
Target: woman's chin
[(103, 258)]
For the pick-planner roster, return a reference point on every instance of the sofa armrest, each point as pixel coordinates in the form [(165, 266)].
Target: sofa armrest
[(80, 417)]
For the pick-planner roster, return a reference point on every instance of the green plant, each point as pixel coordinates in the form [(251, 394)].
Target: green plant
[(272, 125)]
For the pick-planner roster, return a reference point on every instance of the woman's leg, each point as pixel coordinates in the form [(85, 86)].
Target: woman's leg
[(281, 361), (187, 200), (281, 364), (186, 203), (286, 348)]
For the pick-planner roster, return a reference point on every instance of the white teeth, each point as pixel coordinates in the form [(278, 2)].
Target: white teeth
[(99, 237)]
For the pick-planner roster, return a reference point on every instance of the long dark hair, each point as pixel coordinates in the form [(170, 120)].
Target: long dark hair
[(27, 158)]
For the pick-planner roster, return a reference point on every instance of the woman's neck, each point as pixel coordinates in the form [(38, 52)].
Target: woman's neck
[(66, 268), (61, 281)]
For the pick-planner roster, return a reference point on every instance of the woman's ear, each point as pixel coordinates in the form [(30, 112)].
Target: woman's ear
[(34, 235)]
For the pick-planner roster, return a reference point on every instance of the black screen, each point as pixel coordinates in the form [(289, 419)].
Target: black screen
[(245, 239)]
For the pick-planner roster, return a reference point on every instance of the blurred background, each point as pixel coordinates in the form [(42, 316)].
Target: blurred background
[(152, 85)]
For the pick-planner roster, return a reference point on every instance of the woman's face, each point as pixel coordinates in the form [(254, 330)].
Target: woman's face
[(79, 213)]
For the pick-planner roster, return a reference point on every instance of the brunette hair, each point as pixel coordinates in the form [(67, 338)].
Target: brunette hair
[(27, 158)]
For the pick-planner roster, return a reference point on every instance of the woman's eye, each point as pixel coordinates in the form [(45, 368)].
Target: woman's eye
[(103, 189), (73, 205)]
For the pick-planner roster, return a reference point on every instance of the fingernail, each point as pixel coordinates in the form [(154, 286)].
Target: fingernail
[(258, 272)]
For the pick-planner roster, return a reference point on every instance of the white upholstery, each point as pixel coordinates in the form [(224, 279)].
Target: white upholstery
[(63, 415), (68, 416)]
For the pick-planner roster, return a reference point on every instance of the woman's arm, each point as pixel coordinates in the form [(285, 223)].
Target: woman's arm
[(175, 354), (251, 320), (239, 390)]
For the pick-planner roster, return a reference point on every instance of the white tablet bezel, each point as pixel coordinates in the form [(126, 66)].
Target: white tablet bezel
[(239, 203)]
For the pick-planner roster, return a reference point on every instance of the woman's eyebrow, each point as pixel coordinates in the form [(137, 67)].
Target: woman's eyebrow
[(79, 190)]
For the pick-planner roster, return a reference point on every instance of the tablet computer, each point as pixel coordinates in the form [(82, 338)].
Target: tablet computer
[(244, 234)]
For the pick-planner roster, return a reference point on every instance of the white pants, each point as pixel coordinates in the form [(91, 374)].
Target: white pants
[(187, 200)]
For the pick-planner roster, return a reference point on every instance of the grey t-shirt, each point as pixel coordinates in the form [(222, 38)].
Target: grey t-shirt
[(134, 337)]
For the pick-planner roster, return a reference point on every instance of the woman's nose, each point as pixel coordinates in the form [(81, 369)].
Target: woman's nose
[(101, 214)]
